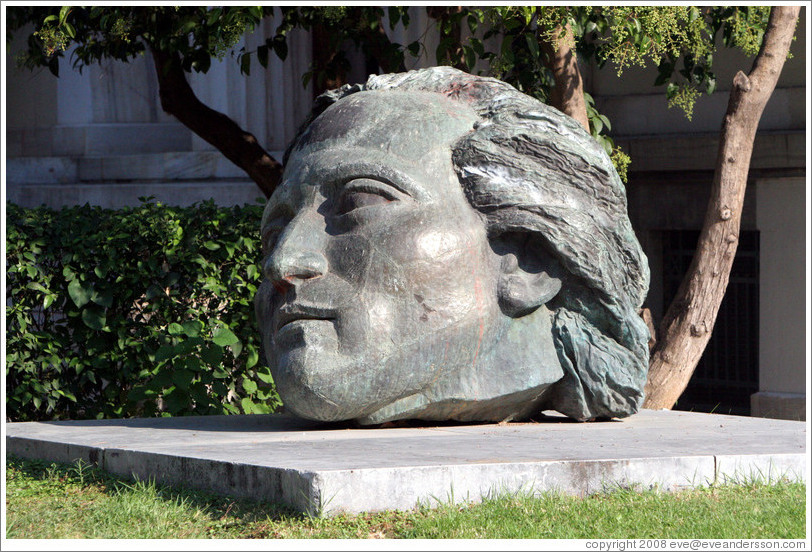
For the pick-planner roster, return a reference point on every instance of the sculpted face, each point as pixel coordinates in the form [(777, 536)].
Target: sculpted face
[(381, 291)]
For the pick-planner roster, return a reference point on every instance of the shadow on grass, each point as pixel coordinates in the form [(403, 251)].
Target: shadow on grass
[(754, 506), (219, 508)]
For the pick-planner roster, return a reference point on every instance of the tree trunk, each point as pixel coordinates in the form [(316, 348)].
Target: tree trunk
[(686, 327), (453, 53), (380, 48), (377, 48), (568, 94), (239, 146), (323, 57)]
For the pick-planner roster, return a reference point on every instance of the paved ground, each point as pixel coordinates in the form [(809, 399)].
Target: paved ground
[(321, 468)]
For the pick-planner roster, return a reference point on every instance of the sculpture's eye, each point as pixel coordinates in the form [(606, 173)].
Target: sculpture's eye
[(270, 234), (364, 192)]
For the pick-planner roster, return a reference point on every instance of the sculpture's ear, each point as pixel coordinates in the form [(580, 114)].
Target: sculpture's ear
[(527, 280)]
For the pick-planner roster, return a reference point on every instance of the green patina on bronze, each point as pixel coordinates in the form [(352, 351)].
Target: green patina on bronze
[(443, 247)]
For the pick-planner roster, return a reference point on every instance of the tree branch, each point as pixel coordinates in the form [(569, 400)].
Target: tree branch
[(381, 49), (323, 57), (687, 325), (240, 147), (568, 94), (453, 53)]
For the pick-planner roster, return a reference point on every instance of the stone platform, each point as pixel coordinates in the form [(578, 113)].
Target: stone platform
[(329, 469)]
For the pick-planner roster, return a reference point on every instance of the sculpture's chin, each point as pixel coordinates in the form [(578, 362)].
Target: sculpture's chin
[(316, 379), (309, 384), (304, 403), (323, 385)]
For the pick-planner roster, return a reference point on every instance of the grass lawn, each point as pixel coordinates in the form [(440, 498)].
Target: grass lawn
[(46, 500)]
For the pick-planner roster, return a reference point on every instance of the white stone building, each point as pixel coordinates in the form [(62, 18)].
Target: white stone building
[(101, 137)]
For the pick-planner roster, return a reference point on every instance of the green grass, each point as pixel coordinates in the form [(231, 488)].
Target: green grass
[(45, 500)]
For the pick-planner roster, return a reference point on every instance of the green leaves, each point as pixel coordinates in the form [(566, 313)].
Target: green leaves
[(249, 386), (195, 33), (532, 45), (63, 14), (245, 63), (262, 55), (79, 293), (669, 37), (222, 336), (279, 46), (137, 312), (192, 328), (94, 319)]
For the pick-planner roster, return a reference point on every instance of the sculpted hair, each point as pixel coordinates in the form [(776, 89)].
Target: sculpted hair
[(530, 169)]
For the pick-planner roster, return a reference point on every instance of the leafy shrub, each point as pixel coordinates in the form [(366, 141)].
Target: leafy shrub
[(136, 312)]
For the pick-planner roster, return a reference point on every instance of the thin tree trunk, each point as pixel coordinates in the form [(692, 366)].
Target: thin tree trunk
[(453, 53), (377, 49), (239, 146), (687, 325), (323, 56), (568, 94), (380, 48)]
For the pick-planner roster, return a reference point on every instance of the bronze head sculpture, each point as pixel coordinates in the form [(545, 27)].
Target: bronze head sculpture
[(443, 247)]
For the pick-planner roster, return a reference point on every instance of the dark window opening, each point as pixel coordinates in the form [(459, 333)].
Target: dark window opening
[(727, 373)]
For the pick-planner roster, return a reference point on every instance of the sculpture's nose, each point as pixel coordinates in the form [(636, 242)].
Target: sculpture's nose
[(298, 254)]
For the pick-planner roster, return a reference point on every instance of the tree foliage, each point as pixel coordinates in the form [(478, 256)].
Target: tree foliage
[(511, 43), (338, 26), (180, 40), (679, 40), (197, 34)]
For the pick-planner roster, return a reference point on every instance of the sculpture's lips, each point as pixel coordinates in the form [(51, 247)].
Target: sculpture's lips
[(294, 312)]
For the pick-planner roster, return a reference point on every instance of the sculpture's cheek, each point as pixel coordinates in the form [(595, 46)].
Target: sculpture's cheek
[(380, 315), (429, 281), (436, 244), (458, 271)]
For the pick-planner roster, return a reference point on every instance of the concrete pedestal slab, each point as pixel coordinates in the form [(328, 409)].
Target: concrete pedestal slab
[(328, 469)]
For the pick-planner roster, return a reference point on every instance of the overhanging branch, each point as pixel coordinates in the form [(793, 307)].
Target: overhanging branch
[(239, 147)]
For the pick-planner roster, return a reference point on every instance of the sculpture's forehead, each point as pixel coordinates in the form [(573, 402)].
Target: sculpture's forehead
[(406, 123)]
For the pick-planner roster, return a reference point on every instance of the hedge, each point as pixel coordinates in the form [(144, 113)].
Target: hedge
[(144, 311)]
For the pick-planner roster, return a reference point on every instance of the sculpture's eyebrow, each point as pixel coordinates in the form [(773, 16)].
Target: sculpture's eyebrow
[(388, 175), (340, 165)]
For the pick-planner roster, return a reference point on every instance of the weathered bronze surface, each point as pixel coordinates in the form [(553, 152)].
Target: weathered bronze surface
[(443, 247)]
